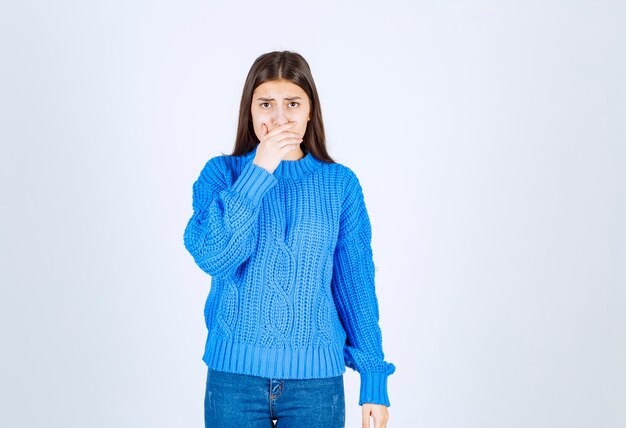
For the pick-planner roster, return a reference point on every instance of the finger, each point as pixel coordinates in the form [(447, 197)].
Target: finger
[(378, 422), (365, 418), (286, 135), (380, 419), (284, 138), (295, 142), (281, 128), (294, 146)]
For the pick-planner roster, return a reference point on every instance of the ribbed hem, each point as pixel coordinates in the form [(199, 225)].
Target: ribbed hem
[(253, 182), (279, 363), (374, 388)]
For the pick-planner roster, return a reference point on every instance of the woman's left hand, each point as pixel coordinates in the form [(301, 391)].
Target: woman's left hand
[(378, 411)]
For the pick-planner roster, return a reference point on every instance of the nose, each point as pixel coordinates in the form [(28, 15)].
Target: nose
[(281, 118)]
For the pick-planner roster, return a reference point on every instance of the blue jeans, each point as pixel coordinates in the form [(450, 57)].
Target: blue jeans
[(243, 401)]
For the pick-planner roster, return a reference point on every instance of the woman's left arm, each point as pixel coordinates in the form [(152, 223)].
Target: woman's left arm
[(355, 297)]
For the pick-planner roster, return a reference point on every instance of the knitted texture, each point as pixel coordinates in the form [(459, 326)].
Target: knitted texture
[(292, 274)]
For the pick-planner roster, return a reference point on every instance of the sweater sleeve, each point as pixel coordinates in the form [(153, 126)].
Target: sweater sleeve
[(355, 297), (221, 233)]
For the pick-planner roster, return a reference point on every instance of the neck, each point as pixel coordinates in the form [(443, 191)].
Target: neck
[(296, 154), (293, 165)]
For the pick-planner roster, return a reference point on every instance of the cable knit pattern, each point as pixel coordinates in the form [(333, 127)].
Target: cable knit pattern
[(292, 272)]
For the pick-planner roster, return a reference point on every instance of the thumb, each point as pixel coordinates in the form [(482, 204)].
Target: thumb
[(265, 130)]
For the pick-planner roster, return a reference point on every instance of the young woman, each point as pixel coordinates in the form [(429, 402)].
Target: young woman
[(284, 233)]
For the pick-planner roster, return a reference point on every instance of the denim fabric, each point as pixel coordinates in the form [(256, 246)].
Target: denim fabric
[(243, 401)]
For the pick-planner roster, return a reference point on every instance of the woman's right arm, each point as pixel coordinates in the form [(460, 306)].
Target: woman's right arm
[(222, 231)]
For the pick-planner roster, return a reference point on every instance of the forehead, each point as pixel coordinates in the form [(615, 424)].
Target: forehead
[(278, 89)]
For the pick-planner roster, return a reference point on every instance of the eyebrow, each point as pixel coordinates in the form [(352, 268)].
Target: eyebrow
[(272, 99)]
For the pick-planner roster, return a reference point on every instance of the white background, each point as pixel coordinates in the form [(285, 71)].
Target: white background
[(490, 141)]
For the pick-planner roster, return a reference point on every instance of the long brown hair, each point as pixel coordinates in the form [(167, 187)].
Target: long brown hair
[(281, 65)]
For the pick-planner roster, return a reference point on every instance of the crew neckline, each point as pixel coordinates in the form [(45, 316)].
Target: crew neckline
[(291, 169)]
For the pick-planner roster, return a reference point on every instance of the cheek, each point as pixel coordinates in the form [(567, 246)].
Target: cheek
[(259, 118)]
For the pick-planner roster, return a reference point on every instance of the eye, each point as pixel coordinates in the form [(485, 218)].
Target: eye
[(263, 103), (294, 102)]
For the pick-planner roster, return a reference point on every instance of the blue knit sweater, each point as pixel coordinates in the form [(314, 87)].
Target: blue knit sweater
[(292, 275)]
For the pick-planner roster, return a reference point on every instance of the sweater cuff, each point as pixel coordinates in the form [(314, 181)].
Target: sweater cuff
[(374, 388), (253, 182)]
